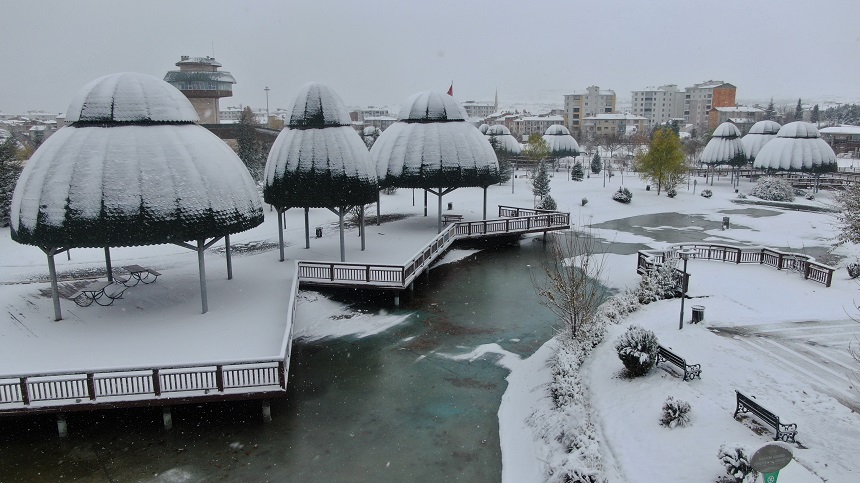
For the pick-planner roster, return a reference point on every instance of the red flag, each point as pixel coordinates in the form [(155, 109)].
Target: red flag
[(451, 89)]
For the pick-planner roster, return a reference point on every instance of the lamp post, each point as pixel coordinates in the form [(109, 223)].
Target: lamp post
[(267, 104), (685, 254)]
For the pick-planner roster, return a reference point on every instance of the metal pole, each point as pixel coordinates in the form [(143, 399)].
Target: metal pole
[(683, 293), (361, 227), (55, 292), (485, 203), (202, 267), (229, 252), (342, 242), (307, 229), (281, 234), (107, 265), (267, 105), (439, 220)]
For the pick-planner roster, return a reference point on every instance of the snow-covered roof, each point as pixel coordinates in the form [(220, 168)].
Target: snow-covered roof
[(500, 134), (94, 186), (317, 106), (319, 160), (483, 128), (130, 97), (554, 119), (725, 147), (759, 135), (186, 60), (435, 154), (560, 142), (738, 109), (616, 117), (797, 147), (840, 130), (431, 106)]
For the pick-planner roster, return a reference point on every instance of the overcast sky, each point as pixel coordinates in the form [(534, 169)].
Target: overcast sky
[(378, 52)]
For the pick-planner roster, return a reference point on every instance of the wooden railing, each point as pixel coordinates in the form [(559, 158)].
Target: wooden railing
[(804, 264), (522, 220)]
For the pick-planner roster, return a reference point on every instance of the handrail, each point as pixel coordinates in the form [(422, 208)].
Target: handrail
[(812, 270)]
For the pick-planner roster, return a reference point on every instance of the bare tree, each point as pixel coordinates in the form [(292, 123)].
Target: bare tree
[(572, 287)]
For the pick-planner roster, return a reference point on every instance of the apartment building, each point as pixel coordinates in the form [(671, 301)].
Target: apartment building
[(741, 116), (658, 105), (525, 126), (621, 124), (590, 102), (480, 109), (701, 98)]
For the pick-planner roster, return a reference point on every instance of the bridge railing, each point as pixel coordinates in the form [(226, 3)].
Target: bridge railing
[(804, 264)]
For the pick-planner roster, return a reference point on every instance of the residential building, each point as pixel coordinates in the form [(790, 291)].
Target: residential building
[(622, 124), (525, 126), (741, 116), (843, 139), (480, 109), (658, 105), (380, 122), (701, 98), (589, 102), (203, 84)]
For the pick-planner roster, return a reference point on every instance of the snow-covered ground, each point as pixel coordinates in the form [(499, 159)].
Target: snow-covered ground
[(792, 370)]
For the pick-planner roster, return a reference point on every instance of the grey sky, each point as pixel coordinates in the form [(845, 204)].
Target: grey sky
[(378, 52)]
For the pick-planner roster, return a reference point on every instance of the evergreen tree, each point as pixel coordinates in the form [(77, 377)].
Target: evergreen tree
[(596, 165), (816, 115), (540, 183), (798, 111), (503, 156), (664, 160), (577, 173), (10, 169), (770, 112), (249, 149)]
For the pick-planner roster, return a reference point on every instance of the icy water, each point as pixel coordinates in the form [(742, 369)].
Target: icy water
[(389, 407)]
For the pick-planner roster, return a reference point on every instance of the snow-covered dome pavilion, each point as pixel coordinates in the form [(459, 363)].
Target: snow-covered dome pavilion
[(724, 148), (483, 128), (560, 142), (319, 160), (797, 147), (506, 141), (432, 147), (759, 134), (132, 168)]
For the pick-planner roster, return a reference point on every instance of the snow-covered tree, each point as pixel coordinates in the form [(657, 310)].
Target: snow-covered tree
[(572, 285), (249, 149), (596, 164), (663, 159), (815, 117), (10, 169), (798, 111), (540, 182), (770, 112), (637, 349), (849, 215), (576, 172)]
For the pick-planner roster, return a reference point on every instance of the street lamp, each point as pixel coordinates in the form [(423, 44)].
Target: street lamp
[(685, 254), (267, 104)]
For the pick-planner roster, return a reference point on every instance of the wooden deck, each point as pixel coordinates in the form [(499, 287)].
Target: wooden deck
[(103, 388)]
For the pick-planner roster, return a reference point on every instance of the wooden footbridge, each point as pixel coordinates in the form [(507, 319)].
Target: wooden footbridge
[(262, 378)]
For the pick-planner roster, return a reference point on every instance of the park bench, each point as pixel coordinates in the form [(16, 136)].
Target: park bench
[(98, 291), (448, 218), (691, 371), (139, 274), (784, 432)]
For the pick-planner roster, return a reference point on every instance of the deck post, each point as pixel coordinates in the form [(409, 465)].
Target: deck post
[(91, 386), (340, 212), (267, 411), (108, 267), (62, 427), (156, 382), (167, 418), (229, 253), (282, 374), (361, 227), (307, 229), (219, 378), (281, 234), (25, 392)]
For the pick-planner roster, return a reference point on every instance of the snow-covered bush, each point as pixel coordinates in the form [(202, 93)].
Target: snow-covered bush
[(675, 413), (707, 193), (637, 349), (619, 306), (735, 457), (671, 193), (547, 203), (742, 196), (576, 172), (773, 189), (623, 195), (853, 269), (809, 196), (658, 284)]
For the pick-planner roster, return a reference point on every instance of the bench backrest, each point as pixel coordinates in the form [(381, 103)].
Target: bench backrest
[(759, 411), (671, 356)]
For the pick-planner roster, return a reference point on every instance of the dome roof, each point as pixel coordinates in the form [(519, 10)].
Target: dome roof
[(317, 106), (726, 130), (498, 130), (130, 97), (435, 154), (557, 130), (506, 141), (431, 106), (798, 129), (765, 127), (483, 128), (132, 185), (754, 142)]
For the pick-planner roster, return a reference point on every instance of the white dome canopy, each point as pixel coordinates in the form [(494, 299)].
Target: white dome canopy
[(506, 141), (796, 147), (130, 97), (317, 106), (759, 135), (483, 128), (725, 147), (431, 106), (560, 142), (557, 130)]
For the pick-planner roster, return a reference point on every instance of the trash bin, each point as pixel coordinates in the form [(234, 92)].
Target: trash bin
[(725, 223), (450, 205), (698, 313), (318, 231)]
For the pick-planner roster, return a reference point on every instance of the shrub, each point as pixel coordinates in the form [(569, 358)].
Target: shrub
[(576, 172), (773, 189), (623, 195), (853, 269), (658, 284), (735, 457), (547, 203), (637, 349), (707, 193), (675, 413), (809, 196), (671, 193), (742, 196)]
